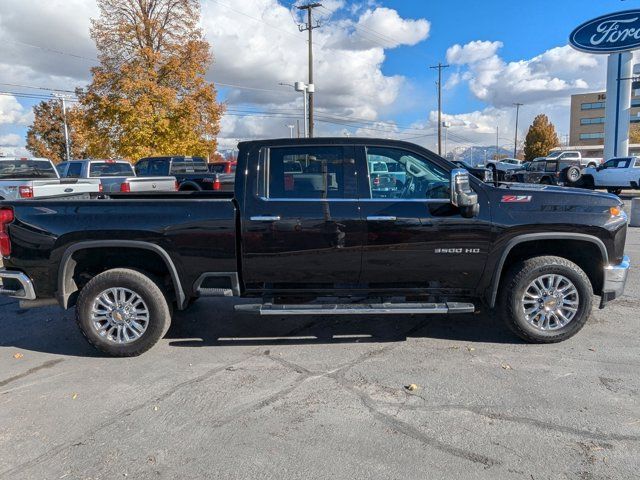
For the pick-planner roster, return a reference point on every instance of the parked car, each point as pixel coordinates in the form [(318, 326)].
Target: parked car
[(484, 174), (28, 177), (445, 243), (115, 175), (382, 182), (500, 168), (191, 173), (574, 155), (614, 175), (226, 166), (549, 172)]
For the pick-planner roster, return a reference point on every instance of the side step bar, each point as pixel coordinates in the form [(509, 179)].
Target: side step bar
[(359, 309)]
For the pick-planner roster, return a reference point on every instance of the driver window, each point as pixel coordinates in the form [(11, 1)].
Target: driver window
[(396, 173)]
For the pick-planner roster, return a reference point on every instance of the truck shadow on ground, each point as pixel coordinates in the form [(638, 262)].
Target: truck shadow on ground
[(214, 323), (206, 325)]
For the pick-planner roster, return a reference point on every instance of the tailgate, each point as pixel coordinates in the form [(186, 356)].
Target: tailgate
[(47, 188), (152, 184)]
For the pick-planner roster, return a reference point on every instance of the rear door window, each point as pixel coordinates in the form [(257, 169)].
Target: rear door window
[(311, 173), (110, 169), (551, 166), (74, 170)]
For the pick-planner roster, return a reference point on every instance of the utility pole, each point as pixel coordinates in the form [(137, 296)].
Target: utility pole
[(309, 27), (66, 128), (497, 141), (515, 142), (440, 66)]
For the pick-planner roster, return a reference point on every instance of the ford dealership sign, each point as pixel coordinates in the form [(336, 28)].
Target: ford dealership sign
[(612, 33)]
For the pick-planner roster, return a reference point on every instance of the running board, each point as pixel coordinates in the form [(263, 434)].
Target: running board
[(360, 309), (215, 292)]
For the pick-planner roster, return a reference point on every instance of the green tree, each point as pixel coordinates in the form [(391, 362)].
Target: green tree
[(541, 138), (149, 96)]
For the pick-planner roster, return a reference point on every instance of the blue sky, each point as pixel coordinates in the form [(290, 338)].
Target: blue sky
[(257, 45)]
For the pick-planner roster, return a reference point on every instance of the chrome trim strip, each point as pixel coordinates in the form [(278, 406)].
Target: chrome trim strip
[(372, 200), (27, 292), (381, 218), (376, 309), (265, 218)]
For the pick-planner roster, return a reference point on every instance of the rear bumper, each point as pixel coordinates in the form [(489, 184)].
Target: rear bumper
[(16, 285), (615, 278)]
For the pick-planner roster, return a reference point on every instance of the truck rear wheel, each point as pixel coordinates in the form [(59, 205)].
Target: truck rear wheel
[(122, 312), (546, 299)]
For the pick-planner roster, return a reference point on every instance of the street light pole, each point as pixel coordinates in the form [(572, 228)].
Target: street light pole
[(66, 128), (515, 142), (290, 127)]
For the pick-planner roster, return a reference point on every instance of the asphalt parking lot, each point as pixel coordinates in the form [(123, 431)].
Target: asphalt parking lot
[(242, 397)]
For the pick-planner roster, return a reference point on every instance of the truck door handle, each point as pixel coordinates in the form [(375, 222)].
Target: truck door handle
[(381, 218), (266, 218)]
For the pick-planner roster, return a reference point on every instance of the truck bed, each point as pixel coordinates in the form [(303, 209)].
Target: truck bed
[(197, 230)]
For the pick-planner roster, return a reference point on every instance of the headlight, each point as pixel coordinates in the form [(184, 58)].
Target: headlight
[(488, 176)]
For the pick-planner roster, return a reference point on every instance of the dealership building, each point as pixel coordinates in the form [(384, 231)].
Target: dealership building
[(587, 122)]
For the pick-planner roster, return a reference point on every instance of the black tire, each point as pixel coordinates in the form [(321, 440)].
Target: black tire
[(145, 288), (516, 281), (615, 191), (572, 174), (545, 181), (591, 165)]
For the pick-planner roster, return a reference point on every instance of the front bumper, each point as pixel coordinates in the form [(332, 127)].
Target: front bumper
[(16, 285), (615, 278)]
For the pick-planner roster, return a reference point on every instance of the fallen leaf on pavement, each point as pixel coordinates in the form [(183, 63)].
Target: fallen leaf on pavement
[(412, 388), (18, 356), (74, 396), (506, 366)]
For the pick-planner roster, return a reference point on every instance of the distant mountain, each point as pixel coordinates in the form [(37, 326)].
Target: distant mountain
[(477, 155)]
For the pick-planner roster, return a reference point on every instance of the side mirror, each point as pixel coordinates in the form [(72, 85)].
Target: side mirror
[(462, 196)]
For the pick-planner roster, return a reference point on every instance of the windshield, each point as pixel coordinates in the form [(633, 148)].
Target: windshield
[(462, 164), (23, 169), (554, 154), (111, 169)]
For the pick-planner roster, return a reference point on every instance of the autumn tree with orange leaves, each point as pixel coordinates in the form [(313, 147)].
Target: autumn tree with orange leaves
[(149, 96)]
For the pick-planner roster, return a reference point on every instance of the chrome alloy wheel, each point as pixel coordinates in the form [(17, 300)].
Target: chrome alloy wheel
[(550, 302), (120, 315)]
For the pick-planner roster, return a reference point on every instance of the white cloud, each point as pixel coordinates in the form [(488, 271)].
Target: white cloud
[(10, 140), (12, 112), (556, 73), (348, 61)]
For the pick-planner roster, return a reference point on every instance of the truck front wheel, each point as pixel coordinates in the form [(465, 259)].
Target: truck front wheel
[(122, 312), (546, 299)]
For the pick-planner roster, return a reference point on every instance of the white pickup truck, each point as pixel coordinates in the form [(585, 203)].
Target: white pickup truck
[(116, 176), (614, 175), (29, 177), (574, 155)]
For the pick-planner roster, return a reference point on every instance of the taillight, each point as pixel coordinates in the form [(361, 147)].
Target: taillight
[(216, 184), (376, 181), (6, 217), (25, 192), (125, 187), (100, 188), (176, 186)]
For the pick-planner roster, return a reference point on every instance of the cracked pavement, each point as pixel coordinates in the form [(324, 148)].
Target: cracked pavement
[(237, 396)]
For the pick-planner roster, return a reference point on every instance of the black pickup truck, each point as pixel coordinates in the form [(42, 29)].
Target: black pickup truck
[(192, 173), (305, 233)]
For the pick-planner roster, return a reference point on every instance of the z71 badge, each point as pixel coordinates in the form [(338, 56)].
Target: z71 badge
[(516, 198)]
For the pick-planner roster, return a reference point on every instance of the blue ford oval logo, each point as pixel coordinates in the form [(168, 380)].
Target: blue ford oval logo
[(68, 190), (612, 33)]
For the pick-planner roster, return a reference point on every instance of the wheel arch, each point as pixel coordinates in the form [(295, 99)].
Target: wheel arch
[(532, 238), (67, 286), (189, 186)]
